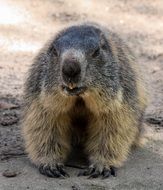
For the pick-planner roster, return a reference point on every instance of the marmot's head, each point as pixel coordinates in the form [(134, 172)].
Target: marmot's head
[(81, 59)]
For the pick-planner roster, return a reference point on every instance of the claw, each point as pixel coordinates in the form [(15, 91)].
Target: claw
[(56, 172), (95, 174), (87, 172), (106, 173), (113, 171), (62, 171)]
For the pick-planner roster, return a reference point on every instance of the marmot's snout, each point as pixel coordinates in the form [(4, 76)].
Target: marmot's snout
[(71, 76), (71, 71)]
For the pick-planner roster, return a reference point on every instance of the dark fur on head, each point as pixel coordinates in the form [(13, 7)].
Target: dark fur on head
[(83, 50)]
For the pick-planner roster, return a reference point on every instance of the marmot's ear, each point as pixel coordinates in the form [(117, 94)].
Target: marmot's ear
[(103, 41)]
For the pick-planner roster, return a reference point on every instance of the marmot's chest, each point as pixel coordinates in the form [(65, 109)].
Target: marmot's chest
[(80, 114), (80, 117)]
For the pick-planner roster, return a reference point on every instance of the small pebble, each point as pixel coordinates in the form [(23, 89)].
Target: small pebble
[(8, 173)]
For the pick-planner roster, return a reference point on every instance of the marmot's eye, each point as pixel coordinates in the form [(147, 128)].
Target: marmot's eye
[(96, 53), (54, 51)]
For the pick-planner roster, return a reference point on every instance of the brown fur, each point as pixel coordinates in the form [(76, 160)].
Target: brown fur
[(52, 143)]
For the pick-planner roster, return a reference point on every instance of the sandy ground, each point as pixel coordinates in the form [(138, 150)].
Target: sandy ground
[(24, 27)]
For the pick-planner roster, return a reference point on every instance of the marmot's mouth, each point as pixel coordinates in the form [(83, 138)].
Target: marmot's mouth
[(73, 91)]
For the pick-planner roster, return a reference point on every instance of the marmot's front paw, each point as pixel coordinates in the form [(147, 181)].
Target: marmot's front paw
[(94, 171), (56, 171)]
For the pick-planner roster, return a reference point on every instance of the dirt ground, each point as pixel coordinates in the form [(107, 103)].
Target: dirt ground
[(24, 27)]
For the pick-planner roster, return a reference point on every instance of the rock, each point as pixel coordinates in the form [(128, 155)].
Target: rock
[(10, 173), (6, 105)]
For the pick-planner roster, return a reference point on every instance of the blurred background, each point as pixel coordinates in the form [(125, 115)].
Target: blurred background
[(26, 25)]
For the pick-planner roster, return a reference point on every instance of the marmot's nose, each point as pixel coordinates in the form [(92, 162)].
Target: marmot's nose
[(71, 70)]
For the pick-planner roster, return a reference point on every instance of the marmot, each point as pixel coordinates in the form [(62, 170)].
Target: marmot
[(83, 88)]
